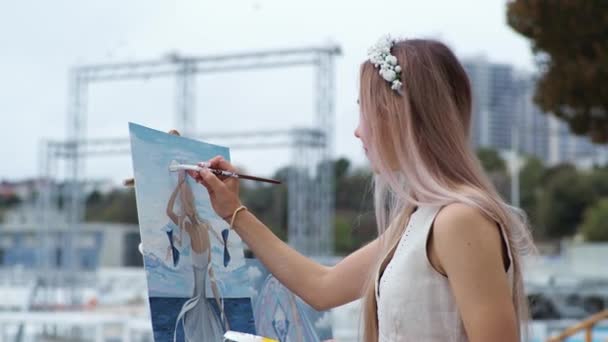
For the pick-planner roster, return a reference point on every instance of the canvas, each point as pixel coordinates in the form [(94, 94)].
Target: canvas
[(197, 288), (281, 315), (199, 282)]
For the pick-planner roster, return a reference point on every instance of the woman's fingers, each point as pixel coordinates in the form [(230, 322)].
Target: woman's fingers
[(214, 162), (210, 181), (218, 162), (197, 177), (193, 174)]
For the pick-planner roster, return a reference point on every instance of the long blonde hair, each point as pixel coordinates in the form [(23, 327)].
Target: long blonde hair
[(419, 146)]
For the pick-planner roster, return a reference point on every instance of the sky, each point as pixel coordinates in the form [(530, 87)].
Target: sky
[(41, 40)]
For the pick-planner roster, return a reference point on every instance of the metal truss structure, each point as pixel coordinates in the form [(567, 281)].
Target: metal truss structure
[(310, 176)]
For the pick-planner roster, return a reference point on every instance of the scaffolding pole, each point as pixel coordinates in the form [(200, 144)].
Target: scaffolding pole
[(310, 207)]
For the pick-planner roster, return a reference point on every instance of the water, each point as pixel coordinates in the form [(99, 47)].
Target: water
[(165, 310)]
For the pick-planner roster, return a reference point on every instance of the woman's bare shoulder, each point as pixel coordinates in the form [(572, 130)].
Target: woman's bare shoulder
[(459, 227), (462, 218)]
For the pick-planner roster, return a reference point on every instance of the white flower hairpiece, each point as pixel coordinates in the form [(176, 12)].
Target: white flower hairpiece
[(380, 56)]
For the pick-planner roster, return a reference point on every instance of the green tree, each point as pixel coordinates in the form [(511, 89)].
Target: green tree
[(117, 206), (496, 168), (269, 202), (566, 195), (595, 224), (353, 192), (343, 237), (9, 201), (530, 178), (341, 168), (599, 181), (491, 160), (94, 198), (570, 42)]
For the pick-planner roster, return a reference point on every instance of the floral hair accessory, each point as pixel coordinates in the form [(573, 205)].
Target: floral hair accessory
[(380, 56)]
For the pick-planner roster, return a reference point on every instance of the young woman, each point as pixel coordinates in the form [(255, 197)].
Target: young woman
[(446, 265), (200, 322)]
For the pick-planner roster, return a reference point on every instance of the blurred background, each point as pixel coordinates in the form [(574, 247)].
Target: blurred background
[(276, 81)]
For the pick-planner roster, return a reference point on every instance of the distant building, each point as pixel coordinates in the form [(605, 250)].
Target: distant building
[(503, 101), (494, 95), (27, 242), (579, 150), (535, 131), (27, 189), (23, 189), (29, 213), (95, 245)]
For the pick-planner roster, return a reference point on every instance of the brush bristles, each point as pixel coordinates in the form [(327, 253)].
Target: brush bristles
[(173, 167)]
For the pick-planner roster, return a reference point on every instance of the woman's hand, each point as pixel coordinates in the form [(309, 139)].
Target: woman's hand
[(223, 191)]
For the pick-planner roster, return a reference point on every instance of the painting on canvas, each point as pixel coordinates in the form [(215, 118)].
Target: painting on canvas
[(198, 285), (281, 315)]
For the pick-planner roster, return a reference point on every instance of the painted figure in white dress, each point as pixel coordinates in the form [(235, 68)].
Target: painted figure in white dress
[(200, 321)]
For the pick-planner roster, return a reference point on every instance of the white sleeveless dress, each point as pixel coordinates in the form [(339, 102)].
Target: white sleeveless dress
[(199, 319), (415, 302)]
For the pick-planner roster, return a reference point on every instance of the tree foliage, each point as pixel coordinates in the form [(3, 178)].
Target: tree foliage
[(530, 180), (556, 199), (599, 181), (595, 224), (496, 169), (116, 206), (9, 201), (570, 42), (491, 160), (565, 196)]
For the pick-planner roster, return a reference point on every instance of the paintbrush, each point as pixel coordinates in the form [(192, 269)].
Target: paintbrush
[(176, 166)]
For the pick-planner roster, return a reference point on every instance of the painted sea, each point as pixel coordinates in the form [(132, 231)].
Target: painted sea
[(165, 310)]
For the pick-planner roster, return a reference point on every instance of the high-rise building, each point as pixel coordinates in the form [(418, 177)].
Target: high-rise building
[(504, 110), (567, 147), (494, 95), (534, 127)]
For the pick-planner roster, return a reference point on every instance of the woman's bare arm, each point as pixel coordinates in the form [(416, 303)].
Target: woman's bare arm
[(320, 286), (468, 247), (171, 202)]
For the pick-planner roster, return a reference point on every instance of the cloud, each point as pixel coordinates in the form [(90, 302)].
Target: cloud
[(253, 273), (324, 322)]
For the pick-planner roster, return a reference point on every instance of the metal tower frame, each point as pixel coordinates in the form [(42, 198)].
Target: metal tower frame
[(310, 180)]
